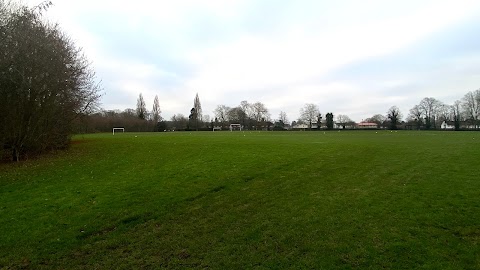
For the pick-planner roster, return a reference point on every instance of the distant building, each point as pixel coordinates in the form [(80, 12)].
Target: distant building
[(448, 125), (349, 125), (367, 125), (304, 126)]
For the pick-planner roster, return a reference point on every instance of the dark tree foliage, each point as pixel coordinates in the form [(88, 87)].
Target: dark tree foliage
[(161, 126), (179, 122), (221, 115), (45, 83), (395, 116), (319, 121), (105, 120), (456, 113), (192, 119), (279, 125), (329, 117), (416, 114)]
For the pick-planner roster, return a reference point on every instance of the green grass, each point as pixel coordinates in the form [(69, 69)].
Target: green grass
[(223, 200)]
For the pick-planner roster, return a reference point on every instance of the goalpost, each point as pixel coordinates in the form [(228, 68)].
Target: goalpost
[(122, 129), (235, 127)]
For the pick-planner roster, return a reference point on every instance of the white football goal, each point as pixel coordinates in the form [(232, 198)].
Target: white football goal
[(235, 127), (118, 128)]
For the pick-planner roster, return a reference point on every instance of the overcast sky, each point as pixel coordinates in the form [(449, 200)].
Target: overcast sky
[(350, 57)]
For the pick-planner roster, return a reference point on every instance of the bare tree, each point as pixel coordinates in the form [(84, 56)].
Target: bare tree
[(221, 113), (236, 115), (260, 113), (179, 122), (443, 113), (282, 117), (309, 113), (46, 83), (206, 120), (247, 114), (416, 114), (344, 120), (378, 119), (471, 106), (246, 107), (395, 117), (429, 107), (141, 107), (456, 113), (129, 111)]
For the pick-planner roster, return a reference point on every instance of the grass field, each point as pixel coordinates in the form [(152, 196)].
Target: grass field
[(234, 200)]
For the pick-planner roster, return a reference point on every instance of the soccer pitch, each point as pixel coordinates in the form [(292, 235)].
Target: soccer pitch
[(243, 200)]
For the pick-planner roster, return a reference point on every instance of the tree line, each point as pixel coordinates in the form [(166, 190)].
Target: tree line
[(249, 115), (430, 113)]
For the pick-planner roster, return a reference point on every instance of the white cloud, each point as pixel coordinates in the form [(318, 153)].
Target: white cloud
[(251, 62), (282, 57)]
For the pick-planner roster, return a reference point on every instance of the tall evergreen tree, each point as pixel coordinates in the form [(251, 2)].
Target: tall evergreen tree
[(329, 117), (156, 112), (197, 106)]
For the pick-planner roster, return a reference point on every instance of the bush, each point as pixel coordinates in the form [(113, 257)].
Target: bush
[(45, 82)]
